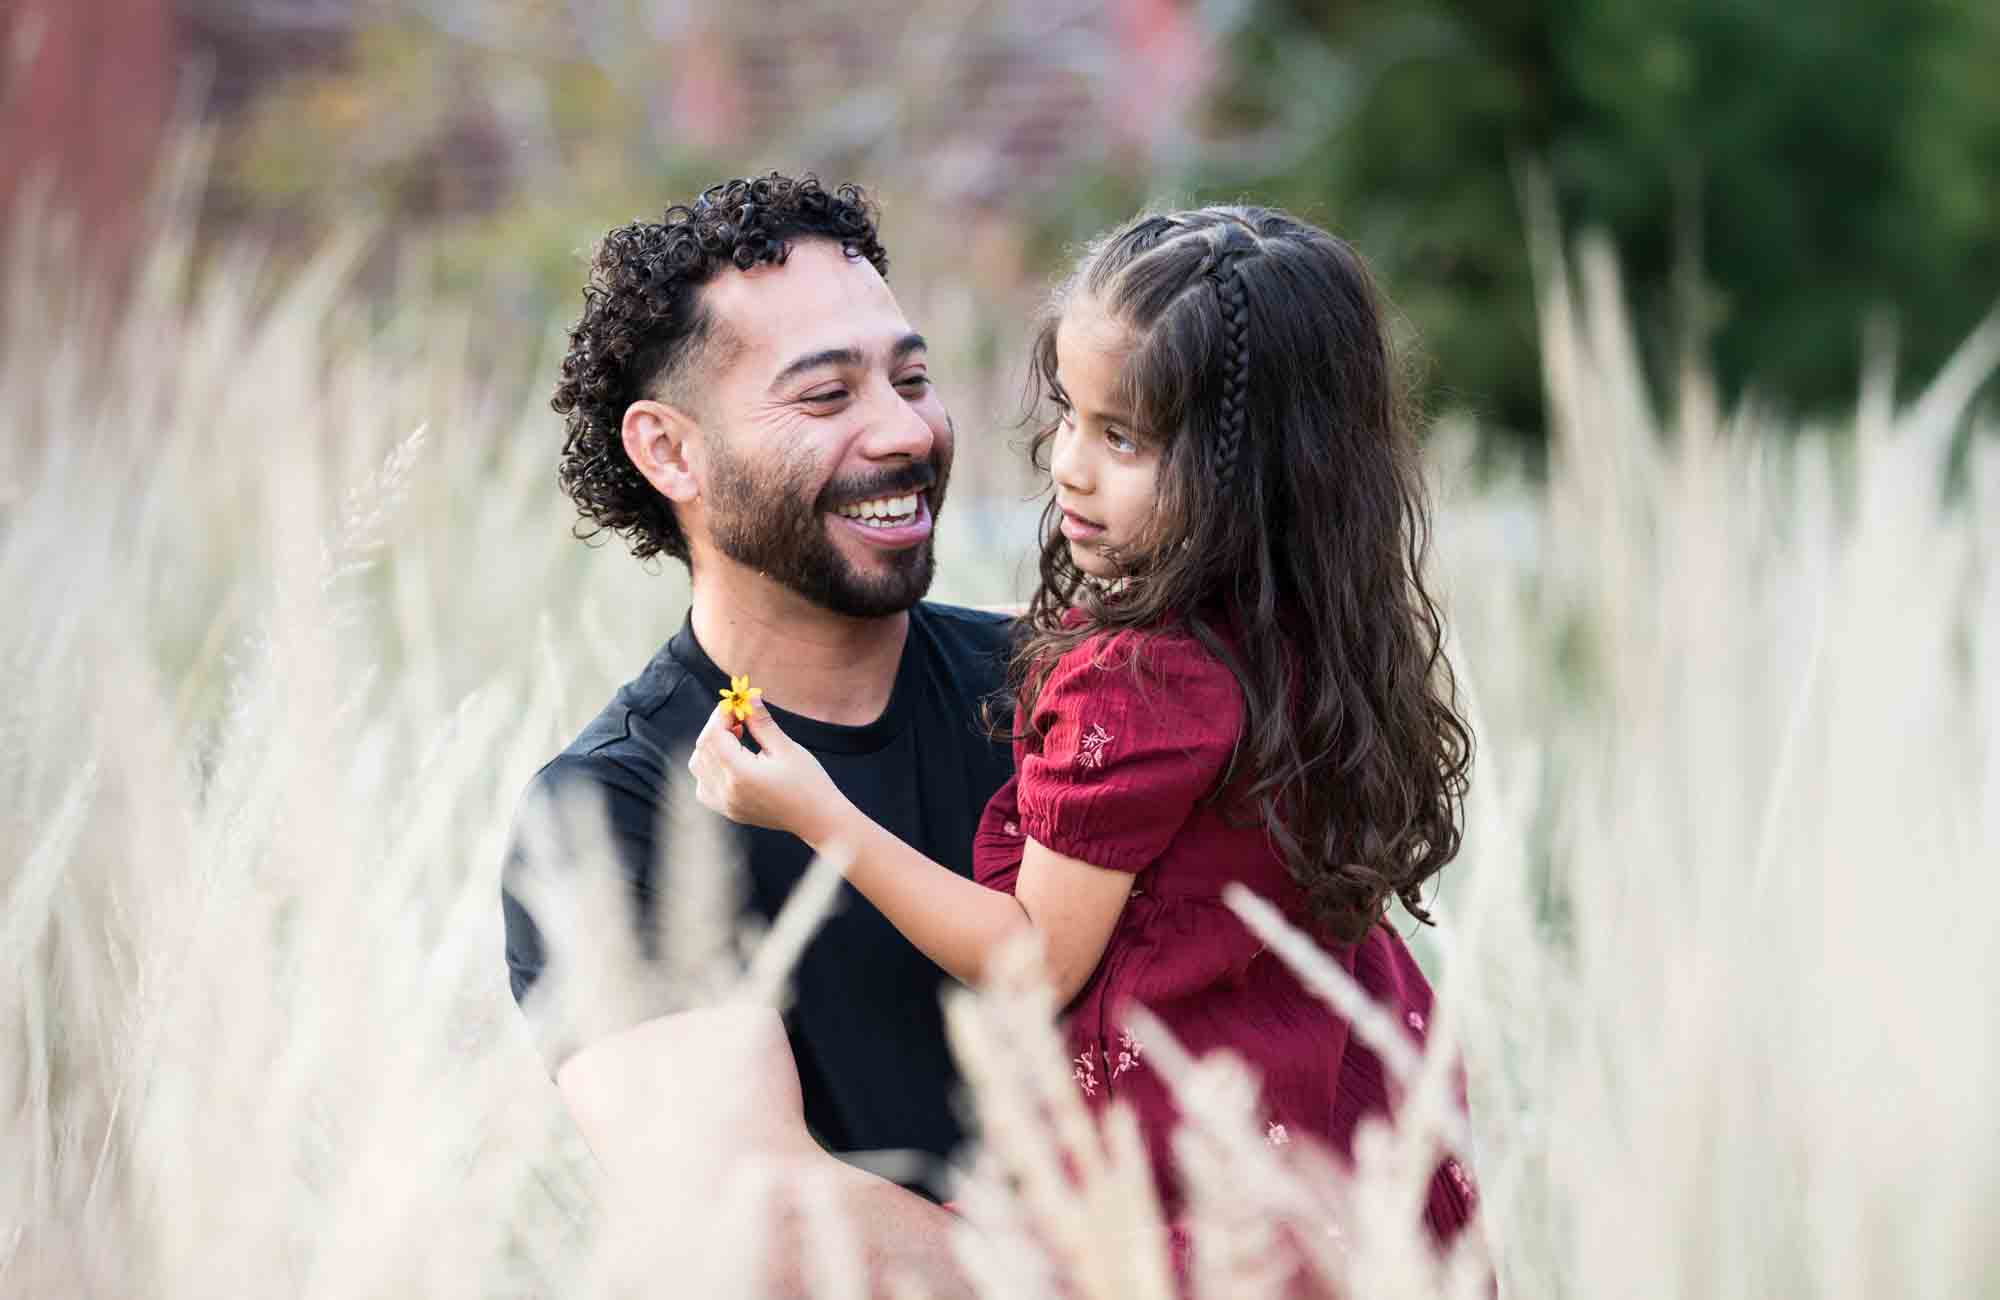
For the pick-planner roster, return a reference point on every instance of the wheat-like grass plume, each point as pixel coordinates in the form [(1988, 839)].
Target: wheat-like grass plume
[(1714, 955)]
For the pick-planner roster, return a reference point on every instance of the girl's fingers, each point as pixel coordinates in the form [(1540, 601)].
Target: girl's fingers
[(710, 741), (698, 768), (705, 760), (720, 764), (765, 728)]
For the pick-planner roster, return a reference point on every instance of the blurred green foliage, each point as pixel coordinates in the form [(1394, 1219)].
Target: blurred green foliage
[(1771, 172)]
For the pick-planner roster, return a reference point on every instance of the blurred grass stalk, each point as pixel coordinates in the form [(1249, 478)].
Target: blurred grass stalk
[(294, 615)]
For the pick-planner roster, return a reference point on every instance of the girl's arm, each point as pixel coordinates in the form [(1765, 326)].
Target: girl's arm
[(957, 923)]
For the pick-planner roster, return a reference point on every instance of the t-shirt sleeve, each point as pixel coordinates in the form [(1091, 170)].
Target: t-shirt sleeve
[(1125, 755), (583, 829)]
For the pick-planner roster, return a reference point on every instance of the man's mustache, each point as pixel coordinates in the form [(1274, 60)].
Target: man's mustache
[(915, 477)]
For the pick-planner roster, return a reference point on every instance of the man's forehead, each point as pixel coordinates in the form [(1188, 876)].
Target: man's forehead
[(818, 298)]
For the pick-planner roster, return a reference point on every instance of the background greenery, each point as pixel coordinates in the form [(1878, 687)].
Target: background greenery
[(1770, 173), (1773, 175)]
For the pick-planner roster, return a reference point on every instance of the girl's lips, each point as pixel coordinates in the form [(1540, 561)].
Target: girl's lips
[(1077, 528)]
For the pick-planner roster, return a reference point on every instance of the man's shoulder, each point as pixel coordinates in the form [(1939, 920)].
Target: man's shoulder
[(645, 718), (968, 651), (960, 629), (619, 758), (969, 647)]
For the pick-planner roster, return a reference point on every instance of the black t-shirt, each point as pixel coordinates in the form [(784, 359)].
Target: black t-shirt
[(865, 1023)]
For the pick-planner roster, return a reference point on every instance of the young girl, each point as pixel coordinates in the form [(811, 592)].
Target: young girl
[(1231, 671)]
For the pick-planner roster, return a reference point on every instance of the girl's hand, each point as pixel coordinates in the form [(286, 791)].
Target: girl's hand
[(782, 786)]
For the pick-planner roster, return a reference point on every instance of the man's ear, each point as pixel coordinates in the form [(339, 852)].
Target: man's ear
[(659, 439)]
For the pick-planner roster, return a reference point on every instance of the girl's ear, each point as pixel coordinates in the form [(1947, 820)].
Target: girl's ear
[(664, 444)]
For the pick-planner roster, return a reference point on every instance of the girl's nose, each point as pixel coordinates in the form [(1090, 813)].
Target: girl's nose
[(1066, 465)]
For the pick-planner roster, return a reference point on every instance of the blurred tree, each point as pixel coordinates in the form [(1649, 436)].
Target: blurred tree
[(1771, 173), (507, 136)]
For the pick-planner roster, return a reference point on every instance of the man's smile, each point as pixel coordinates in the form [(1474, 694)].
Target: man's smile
[(884, 511), (891, 522)]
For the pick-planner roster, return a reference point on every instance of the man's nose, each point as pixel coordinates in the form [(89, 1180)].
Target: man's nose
[(895, 428)]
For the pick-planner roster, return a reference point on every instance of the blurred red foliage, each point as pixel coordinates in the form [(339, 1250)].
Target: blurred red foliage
[(86, 95)]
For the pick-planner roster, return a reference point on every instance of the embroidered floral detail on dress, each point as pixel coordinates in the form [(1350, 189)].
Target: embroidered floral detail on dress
[(1461, 1180), (1085, 1074), (1091, 748), (1415, 1019), (1011, 828), (1128, 1054), (1276, 1135)]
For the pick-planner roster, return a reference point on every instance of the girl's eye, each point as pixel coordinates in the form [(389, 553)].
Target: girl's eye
[(1119, 441), (916, 385)]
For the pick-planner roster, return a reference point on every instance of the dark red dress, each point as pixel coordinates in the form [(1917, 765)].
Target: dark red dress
[(1110, 772)]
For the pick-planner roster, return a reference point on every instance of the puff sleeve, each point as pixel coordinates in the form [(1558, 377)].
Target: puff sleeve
[(1124, 755)]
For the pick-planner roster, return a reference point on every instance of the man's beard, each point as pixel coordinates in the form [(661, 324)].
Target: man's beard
[(772, 522)]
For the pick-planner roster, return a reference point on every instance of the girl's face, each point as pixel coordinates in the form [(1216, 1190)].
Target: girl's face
[(1104, 468)]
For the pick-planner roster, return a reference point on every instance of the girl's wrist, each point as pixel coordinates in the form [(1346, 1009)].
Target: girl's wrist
[(827, 822)]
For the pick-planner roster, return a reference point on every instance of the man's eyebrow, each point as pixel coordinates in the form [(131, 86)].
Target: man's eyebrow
[(816, 361), (845, 357)]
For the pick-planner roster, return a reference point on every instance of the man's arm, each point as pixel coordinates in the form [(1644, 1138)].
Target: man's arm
[(674, 1107)]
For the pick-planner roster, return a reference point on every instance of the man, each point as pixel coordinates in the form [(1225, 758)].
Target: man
[(743, 394)]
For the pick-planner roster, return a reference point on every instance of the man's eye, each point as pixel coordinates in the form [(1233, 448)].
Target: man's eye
[(825, 396), (918, 383)]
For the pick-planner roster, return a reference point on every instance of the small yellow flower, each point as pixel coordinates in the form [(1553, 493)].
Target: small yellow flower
[(736, 699)]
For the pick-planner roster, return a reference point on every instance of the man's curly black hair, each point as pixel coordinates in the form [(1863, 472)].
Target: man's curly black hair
[(643, 326)]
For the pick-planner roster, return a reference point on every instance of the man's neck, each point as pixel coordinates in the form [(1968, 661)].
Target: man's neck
[(807, 660)]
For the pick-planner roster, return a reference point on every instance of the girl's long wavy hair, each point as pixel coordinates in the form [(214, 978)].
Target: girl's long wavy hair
[(1288, 538)]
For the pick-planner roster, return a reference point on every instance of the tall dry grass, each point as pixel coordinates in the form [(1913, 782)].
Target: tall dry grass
[(294, 615)]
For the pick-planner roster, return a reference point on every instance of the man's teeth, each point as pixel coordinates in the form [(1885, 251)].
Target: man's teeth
[(882, 512)]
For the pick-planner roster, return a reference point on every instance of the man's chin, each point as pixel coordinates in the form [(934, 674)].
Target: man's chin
[(881, 583), (908, 585)]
